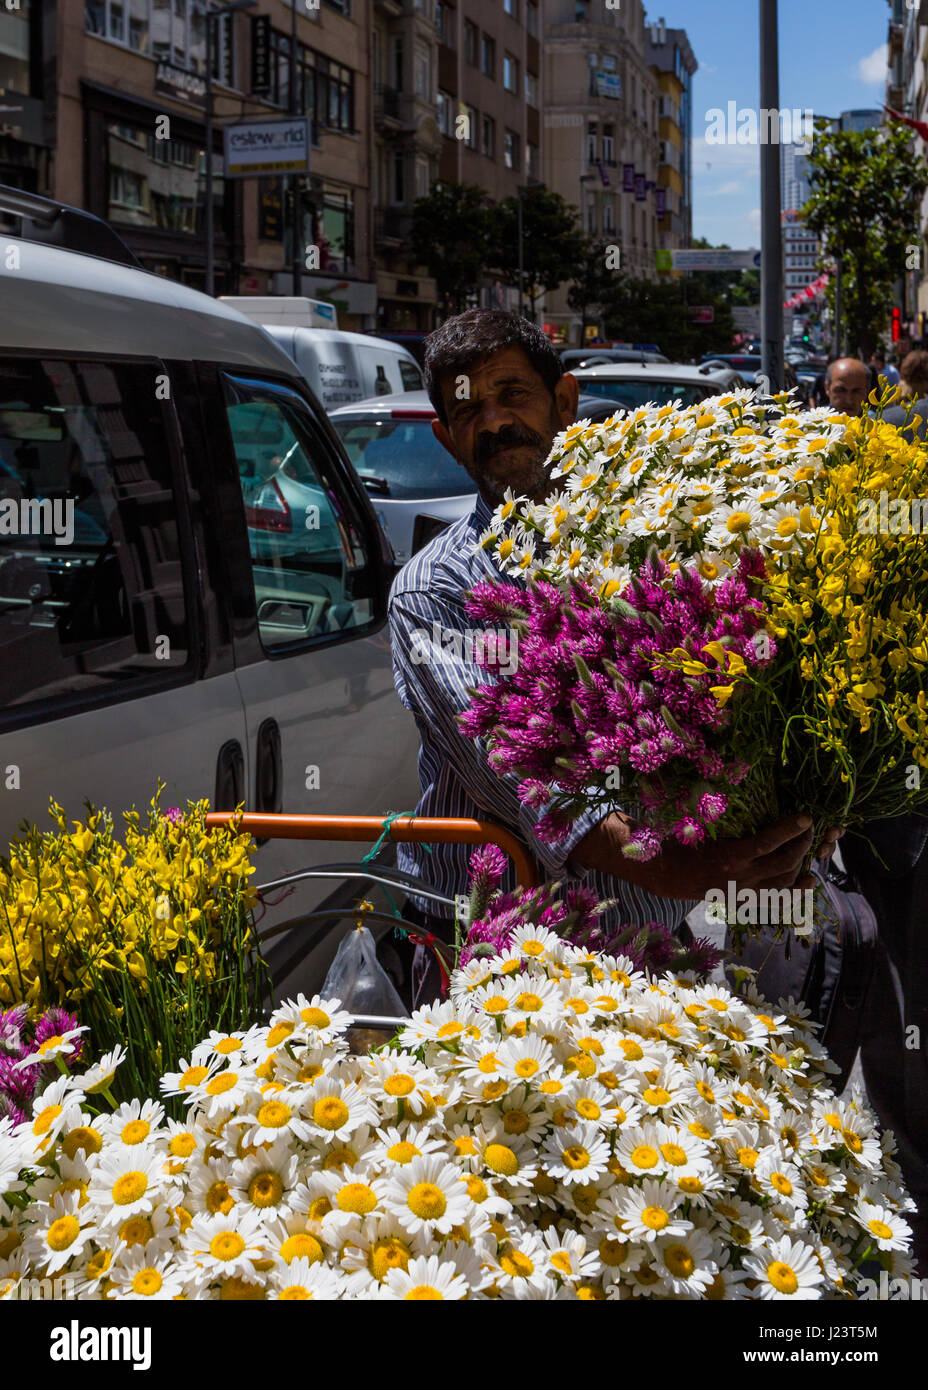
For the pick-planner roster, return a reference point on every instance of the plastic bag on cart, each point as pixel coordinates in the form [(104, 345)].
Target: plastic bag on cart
[(357, 978)]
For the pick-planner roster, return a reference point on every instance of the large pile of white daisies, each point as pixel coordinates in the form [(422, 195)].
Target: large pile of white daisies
[(701, 481), (562, 1127)]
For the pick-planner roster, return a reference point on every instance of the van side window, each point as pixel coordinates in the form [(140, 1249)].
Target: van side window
[(410, 376), (91, 583), (309, 565)]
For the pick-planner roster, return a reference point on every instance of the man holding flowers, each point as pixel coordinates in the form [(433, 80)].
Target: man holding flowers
[(500, 396)]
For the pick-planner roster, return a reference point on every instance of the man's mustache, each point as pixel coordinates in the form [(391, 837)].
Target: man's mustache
[(489, 445)]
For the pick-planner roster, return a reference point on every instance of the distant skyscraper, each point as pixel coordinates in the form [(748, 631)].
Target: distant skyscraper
[(860, 120)]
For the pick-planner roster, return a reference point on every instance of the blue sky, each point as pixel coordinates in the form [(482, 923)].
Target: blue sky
[(832, 58)]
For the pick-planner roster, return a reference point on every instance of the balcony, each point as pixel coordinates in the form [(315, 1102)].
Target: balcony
[(387, 108), (392, 227)]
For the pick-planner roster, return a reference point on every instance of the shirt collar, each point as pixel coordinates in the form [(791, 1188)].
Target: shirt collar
[(482, 514)]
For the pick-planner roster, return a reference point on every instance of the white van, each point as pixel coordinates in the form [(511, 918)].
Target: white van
[(339, 367), (184, 620)]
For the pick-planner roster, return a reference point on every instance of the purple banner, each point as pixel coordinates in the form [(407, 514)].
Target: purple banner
[(628, 178), (602, 173), (640, 188), (660, 202)]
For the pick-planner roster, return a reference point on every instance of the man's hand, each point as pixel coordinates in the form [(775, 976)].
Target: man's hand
[(770, 859)]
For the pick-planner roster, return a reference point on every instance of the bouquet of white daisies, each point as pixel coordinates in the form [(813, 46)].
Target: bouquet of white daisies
[(562, 1127)]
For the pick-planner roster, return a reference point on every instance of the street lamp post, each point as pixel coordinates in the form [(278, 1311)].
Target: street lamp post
[(294, 178), (771, 270), (208, 122)]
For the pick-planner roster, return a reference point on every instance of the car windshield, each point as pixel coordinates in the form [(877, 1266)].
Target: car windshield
[(403, 455), (632, 392)]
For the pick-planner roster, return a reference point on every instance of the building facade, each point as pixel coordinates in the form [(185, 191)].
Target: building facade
[(602, 134), (457, 99), (674, 64)]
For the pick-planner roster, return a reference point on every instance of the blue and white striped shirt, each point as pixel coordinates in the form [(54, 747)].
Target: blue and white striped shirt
[(431, 678)]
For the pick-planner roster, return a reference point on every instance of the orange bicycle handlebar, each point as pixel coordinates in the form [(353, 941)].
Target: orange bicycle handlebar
[(442, 830)]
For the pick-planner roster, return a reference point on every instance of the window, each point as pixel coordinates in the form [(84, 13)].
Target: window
[(531, 160), (309, 565), (326, 88), (445, 114), (396, 61), (91, 577), (609, 62), (592, 142), (398, 181), (404, 453), (422, 178), (512, 8), (581, 11), (488, 56), (422, 74), (591, 216), (444, 22), (489, 137), (608, 217), (471, 113), (608, 144), (168, 30), (510, 73), (531, 89), (531, 18), (511, 150), (470, 43), (157, 183)]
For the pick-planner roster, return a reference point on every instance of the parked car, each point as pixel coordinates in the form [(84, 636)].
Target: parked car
[(218, 618), (748, 366), (594, 357), (657, 383), (416, 487), (338, 367), (722, 373)]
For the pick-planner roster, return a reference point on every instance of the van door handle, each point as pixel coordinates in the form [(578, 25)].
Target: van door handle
[(230, 776), (269, 781)]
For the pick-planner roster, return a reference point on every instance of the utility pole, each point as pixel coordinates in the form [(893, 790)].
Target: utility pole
[(212, 16), (771, 265), (294, 178)]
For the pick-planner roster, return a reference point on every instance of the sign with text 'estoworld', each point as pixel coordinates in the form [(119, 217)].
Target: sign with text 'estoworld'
[(279, 146)]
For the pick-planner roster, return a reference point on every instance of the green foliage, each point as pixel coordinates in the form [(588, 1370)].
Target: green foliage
[(553, 244), (648, 311), (866, 190), (450, 235)]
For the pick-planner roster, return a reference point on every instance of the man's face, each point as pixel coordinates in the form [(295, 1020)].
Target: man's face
[(847, 385), (502, 420)]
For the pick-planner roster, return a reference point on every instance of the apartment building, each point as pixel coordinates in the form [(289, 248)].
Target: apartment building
[(602, 140), (114, 69), (457, 98), (674, 64)]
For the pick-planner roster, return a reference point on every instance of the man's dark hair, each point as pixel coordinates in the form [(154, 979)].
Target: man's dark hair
[(477, 333)]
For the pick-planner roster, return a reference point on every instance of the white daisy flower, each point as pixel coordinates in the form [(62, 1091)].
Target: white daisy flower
[(145, 1273), (126, 1182), (785, 1269), (222, 1246), (884, 1227), (425, 1279), (580, 1154), (301, 1280), (133, 1122), (426, 1194), (59, 1045), (650, 1210)]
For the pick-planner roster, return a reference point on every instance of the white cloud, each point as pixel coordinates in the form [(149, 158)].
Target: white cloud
[(733, 186), (754, 217), (872, 69)]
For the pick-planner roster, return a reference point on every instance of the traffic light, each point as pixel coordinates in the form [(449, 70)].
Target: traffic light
[(897, 324)]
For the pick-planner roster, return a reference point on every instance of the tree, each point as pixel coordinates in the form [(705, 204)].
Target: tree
[(648, 311), (450, 235), (866, 189), (552, 243), (595, 281)]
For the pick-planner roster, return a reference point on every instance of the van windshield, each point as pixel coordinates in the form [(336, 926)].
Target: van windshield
[(403, 455)]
